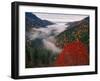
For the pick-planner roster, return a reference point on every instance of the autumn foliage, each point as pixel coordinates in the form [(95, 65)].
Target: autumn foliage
[(74, 53)]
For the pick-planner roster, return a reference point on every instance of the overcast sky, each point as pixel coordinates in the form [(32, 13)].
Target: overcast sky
[(60, 17)]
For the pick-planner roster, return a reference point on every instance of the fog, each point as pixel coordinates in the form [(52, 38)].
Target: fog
[(47, 35)]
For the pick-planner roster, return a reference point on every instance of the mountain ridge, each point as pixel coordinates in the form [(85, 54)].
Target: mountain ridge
[(32, 21), (79, 30)]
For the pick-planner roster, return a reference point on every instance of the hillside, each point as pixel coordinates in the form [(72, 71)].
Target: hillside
[(76, 31)]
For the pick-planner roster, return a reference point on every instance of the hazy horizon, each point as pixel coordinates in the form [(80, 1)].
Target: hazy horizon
[(60, 17)]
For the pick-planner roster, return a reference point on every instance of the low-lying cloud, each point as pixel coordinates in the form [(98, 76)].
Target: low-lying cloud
[(47, 35)]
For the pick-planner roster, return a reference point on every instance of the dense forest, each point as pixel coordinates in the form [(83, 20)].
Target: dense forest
[(77, 31), (36, 54)]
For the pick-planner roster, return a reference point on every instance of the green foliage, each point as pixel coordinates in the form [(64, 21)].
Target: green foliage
[(39, 57), (85, 37)]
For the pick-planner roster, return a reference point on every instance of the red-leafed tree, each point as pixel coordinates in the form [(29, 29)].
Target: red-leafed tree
[(74, 53)]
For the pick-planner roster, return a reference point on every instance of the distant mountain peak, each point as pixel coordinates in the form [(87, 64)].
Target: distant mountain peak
[(32, 21)]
